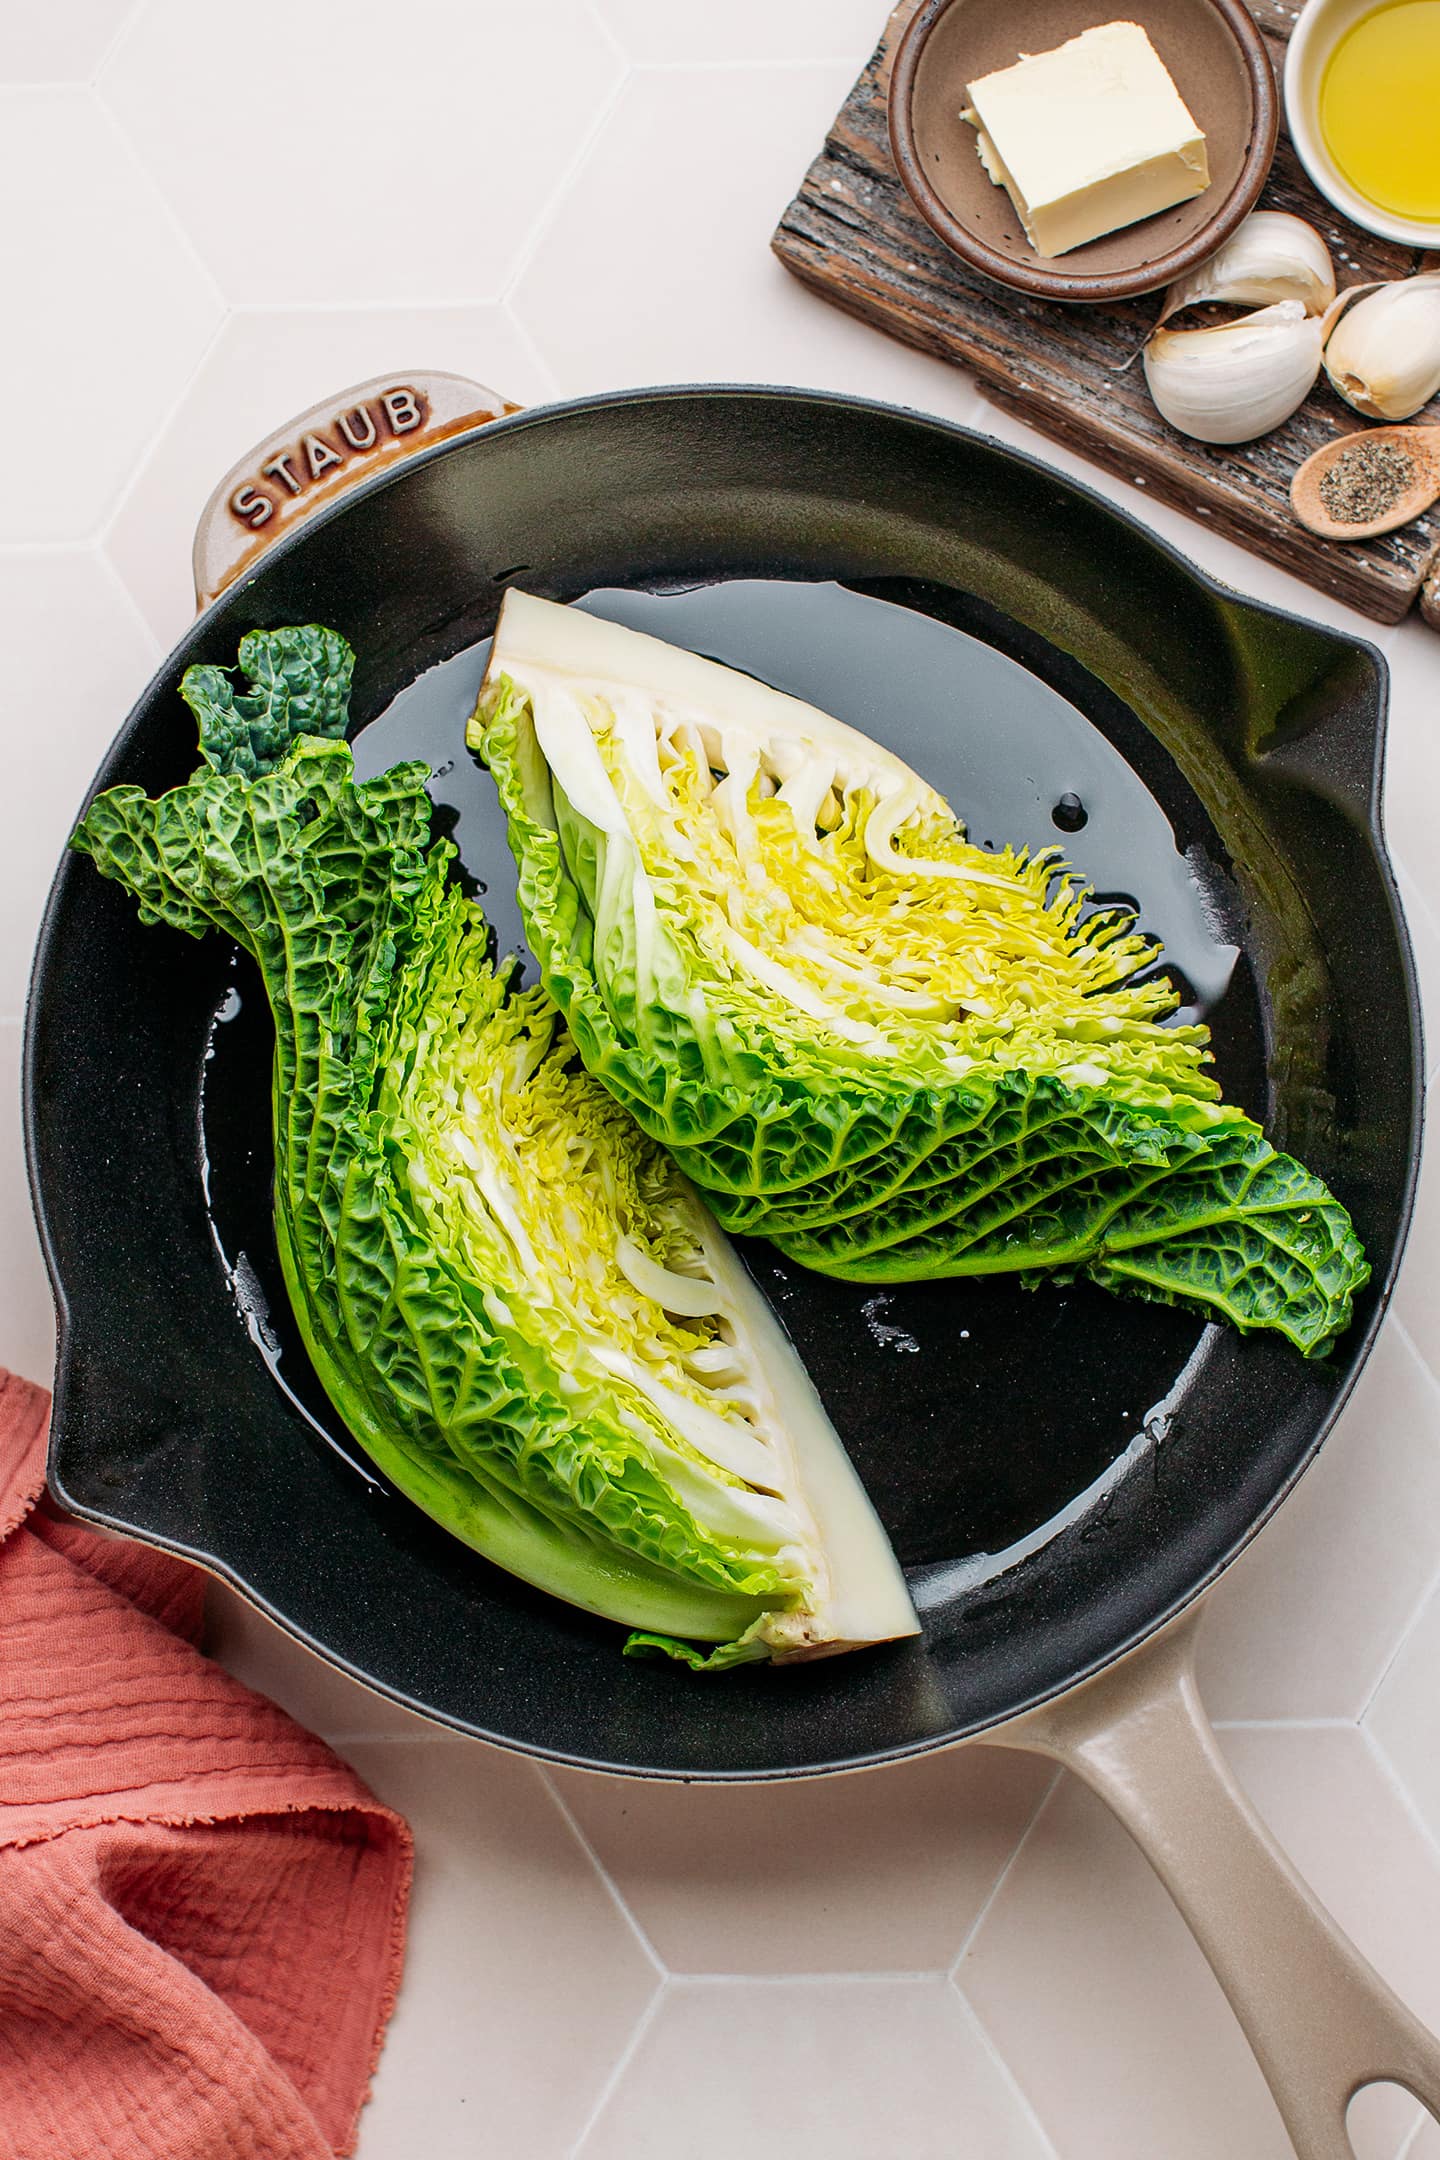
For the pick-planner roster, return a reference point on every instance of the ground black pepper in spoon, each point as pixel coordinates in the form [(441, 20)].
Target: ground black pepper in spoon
[(1362, 485), (1365, 481)]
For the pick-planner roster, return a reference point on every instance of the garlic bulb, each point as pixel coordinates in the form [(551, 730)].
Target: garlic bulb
[(1239, 379), (1271, 256), (1383, 354)]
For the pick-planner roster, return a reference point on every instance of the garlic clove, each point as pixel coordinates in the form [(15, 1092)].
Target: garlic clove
[(1341, 302), (1238, 379), (1270, 257), (1383, 353)]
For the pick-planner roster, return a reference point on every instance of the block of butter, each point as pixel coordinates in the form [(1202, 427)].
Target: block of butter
[(1087, 138)]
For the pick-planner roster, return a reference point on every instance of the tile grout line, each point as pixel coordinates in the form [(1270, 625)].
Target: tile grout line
[(1422, 2116), (619, 2067), (467, 302), (608, 34), (115, 40), (1002, 1878), (105, 531), (674, 1983), (1285, 1724), (561, 191), (1397, 1650), (1395, 1321), (353, 307), (1432, 1585), (753, 66), (924, 1976), (133, 608), (1017, 2091), (86, 542), (537, 359), (621, 1904), (170, 215), (1379, 1756), (981, 2029), (1412, 2135), (1402, 870)]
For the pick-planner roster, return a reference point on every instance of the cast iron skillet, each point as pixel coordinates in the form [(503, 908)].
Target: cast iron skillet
[(1260, 737)]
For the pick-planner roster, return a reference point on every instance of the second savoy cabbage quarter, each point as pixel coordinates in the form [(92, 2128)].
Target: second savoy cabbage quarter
[(512, 1297), (891, 1052)]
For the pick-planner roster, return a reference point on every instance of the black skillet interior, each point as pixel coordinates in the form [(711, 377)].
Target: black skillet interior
[(1060, 1470)]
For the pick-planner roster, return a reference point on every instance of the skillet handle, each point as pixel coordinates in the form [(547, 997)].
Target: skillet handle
[(315, 457), (1320, 2019)]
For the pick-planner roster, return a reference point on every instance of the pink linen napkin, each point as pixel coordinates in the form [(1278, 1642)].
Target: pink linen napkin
[(202, 1911)]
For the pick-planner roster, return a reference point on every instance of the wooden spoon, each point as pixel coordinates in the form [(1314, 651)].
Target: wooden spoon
[(1423, 446)]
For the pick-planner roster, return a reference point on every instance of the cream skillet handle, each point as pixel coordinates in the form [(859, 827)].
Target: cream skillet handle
[(314, 458), (1320, 2019)]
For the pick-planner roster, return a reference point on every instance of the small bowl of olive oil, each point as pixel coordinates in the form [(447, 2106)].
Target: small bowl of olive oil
[(1362, 100)]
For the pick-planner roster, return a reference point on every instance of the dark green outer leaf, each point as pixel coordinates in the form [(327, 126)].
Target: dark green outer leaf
[(299, 685)]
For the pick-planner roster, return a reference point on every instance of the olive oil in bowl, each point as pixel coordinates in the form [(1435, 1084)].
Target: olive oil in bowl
[(1380, 108)]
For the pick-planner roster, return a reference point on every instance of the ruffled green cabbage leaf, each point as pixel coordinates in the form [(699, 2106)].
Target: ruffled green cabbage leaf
[(895, 1054), (513, 1298)]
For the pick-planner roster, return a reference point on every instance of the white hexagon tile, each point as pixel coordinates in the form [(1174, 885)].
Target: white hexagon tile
[(657, 32), (109, 310), (63, 717), (630, 281), (369, 155), (59, 44), (229, 211), (545, 1976), (889, 1872)]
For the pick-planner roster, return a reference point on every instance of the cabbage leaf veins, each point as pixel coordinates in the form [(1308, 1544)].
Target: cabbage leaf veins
[(891, 1052), (513, 1298)]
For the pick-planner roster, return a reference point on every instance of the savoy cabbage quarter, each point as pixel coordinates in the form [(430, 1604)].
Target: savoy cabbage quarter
[(893, 1053), (512, 1297)]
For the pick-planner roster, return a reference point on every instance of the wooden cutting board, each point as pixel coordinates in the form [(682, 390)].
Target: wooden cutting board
[(853, 233)]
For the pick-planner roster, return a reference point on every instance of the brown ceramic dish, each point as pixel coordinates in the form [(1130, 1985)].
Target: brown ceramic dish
[(1219, 65)]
